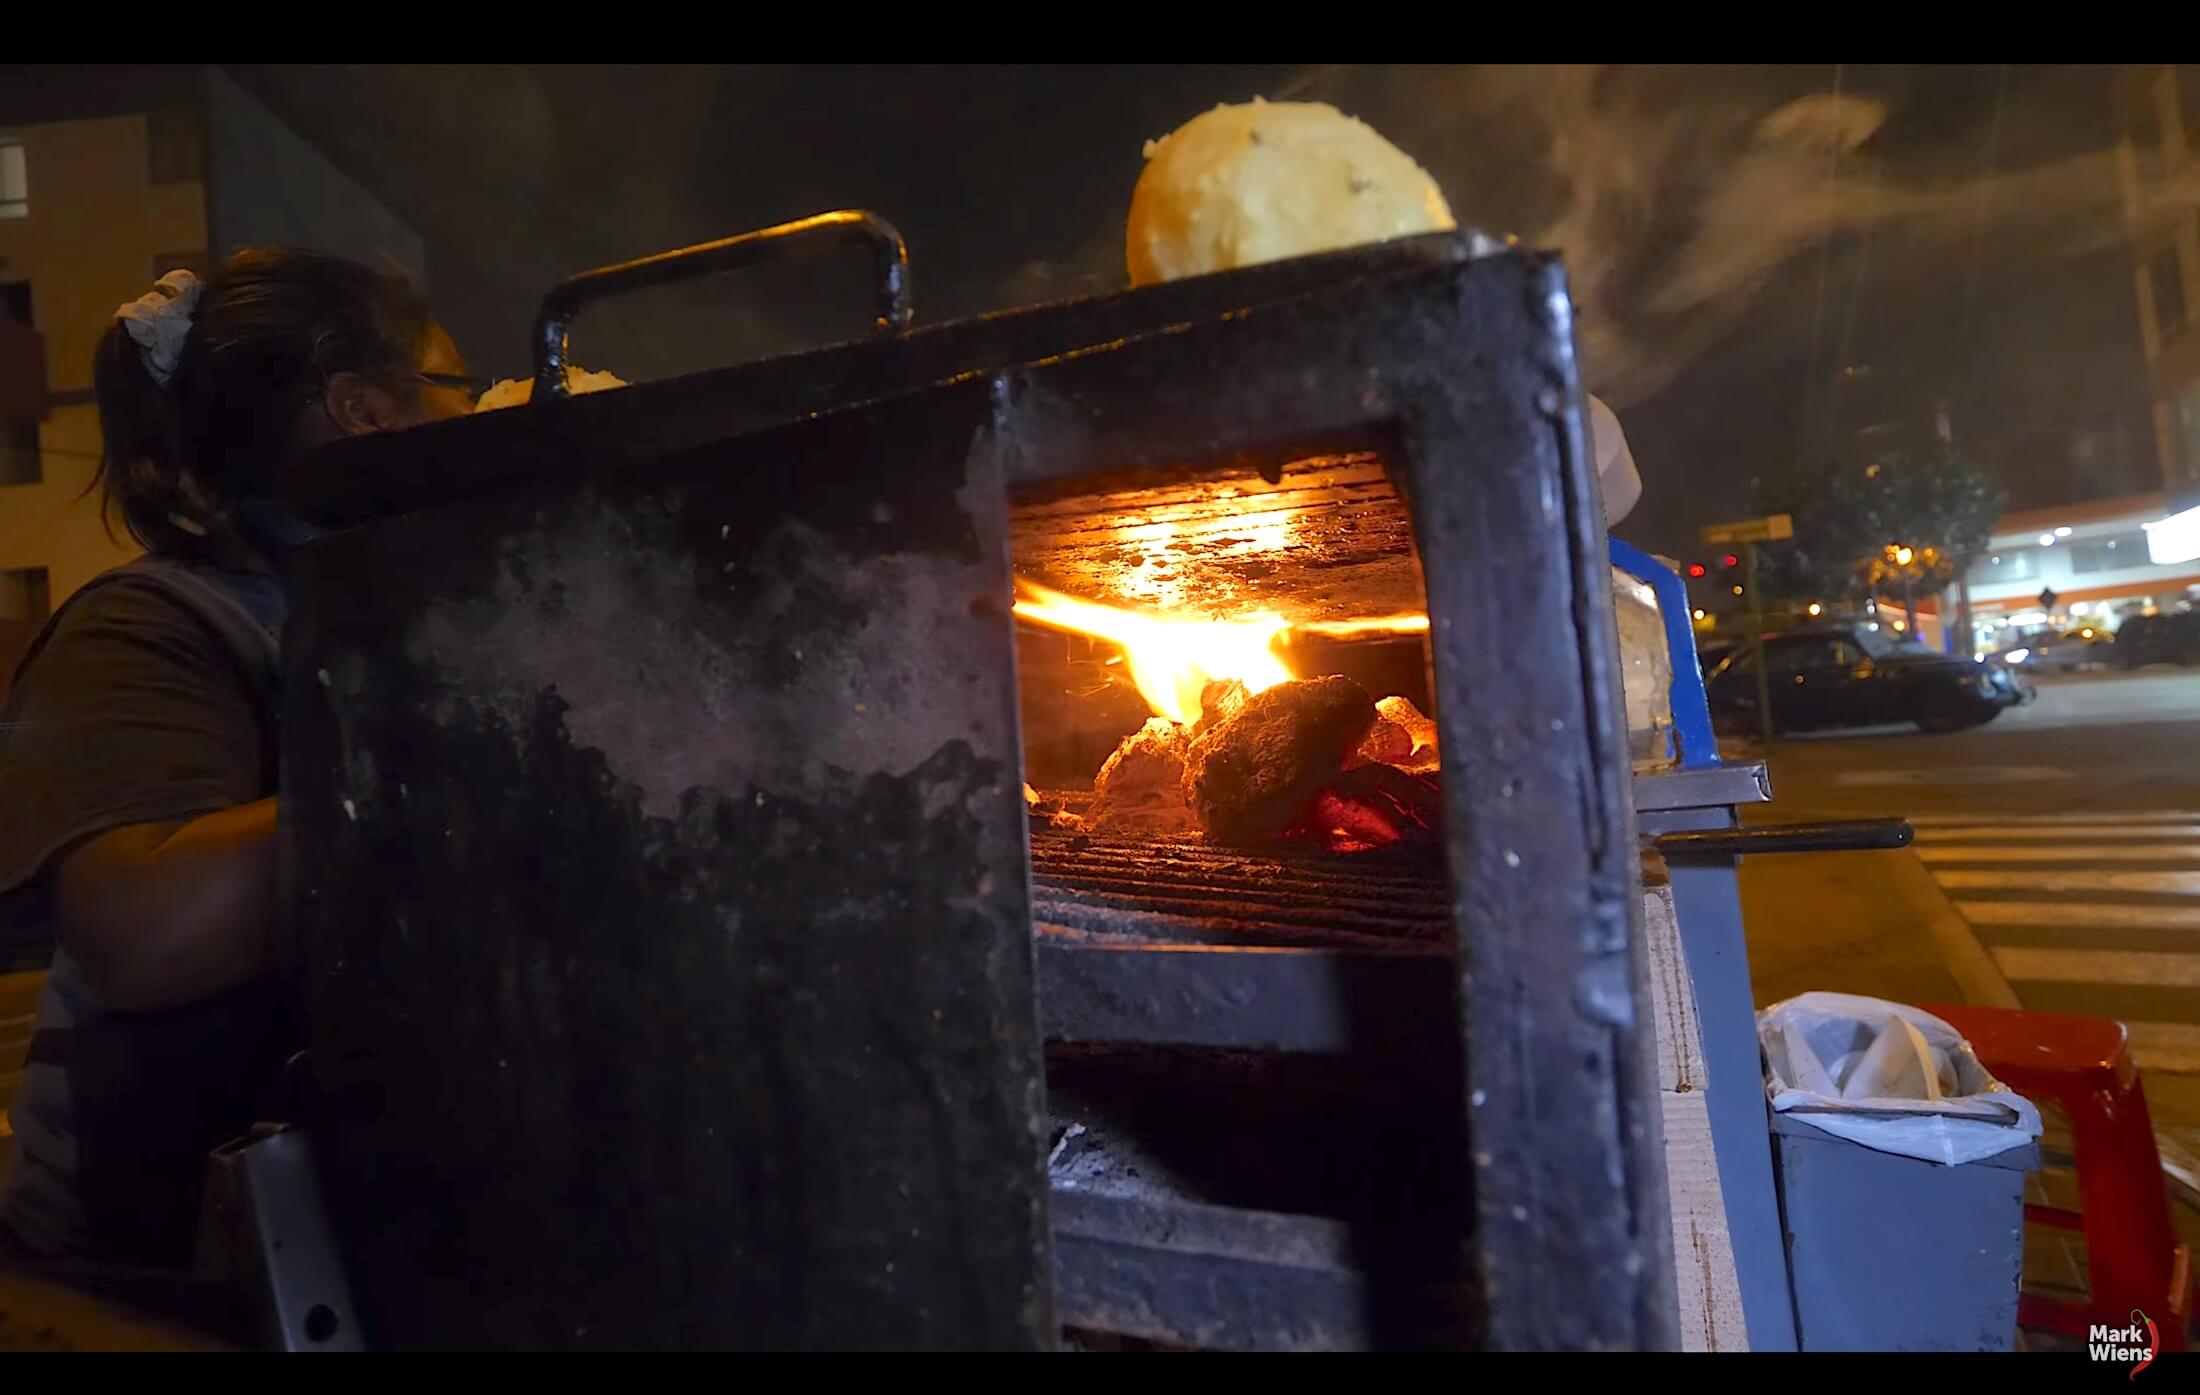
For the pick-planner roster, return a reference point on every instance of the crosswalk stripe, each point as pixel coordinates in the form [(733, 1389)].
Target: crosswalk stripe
[(1987, 832), (2165, 1046), (2029, 963), (2077, 916), (2107, 880), (2079, 882), (2084, 852)]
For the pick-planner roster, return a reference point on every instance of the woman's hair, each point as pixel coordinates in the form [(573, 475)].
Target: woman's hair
[(271, 327)]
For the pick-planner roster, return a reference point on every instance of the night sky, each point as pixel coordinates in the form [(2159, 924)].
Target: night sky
[(1760, 282)]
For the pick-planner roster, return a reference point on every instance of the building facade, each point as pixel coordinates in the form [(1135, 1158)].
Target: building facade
[(2091, 564), (2158, 109), (100, 193)]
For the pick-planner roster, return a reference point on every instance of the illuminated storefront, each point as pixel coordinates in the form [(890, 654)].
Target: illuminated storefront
[(2089, 565)]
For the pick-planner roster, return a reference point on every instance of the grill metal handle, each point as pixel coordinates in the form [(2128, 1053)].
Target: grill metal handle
[(1831, 835), (889, 262)]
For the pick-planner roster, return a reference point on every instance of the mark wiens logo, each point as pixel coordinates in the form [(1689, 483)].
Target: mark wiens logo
[(2135, 1343)]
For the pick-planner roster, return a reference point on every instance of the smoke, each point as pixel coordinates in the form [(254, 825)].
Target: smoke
[(1678, 198), (1692, 204), (1094, 269)]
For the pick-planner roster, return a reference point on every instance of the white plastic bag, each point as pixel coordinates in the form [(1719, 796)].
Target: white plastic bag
[(1888, 1077)]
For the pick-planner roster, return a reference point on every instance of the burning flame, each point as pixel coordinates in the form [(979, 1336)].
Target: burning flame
[(1354, 629), (1172, 657)]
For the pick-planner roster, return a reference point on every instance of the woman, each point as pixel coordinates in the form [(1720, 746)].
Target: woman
[(137, 746)]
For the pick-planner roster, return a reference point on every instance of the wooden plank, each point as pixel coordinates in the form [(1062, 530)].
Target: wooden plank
[(1708, 1287), (1681, 1065), (1710, 1292)]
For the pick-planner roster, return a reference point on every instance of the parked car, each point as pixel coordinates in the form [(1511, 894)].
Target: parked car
[(1857, 676), (2159, 639), (2060, 653)]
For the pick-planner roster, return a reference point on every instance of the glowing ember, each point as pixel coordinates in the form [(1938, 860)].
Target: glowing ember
[(1170, 657)]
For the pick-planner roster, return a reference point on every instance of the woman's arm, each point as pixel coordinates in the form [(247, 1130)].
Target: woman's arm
[(130, 719), (162, 914)]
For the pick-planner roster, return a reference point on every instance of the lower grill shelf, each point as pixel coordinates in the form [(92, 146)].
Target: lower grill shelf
[(1326, 1001), (1229, 1280), (1243, 1200), (1174, 942), (1253, 1061)]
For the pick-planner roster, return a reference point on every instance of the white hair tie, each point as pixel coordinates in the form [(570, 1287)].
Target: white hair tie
[(158, 321)]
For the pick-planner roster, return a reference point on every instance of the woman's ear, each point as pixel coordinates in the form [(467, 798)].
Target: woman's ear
[(358, 407)]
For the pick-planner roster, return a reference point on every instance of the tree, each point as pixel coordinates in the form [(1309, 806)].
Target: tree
[(1893, 525)]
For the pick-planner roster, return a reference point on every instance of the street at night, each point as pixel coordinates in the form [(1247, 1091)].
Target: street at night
[(980, 707), (2057, 867)]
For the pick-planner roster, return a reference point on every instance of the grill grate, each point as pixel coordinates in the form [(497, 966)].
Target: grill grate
[(1183, 891)]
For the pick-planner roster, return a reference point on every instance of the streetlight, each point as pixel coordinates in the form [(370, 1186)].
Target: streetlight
[(1816, 609), (1902, 555)]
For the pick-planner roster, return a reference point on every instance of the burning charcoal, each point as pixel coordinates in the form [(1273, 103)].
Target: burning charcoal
[(1372, 806), (1387, 744), (1252, 776), (1218, 702), (1141, 788), (1048, 811), (1401, 737)]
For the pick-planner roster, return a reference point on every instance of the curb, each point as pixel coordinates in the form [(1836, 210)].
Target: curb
[(1982, 983), (1974, 969)]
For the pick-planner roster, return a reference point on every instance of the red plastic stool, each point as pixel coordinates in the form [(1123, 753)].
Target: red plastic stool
[(2133, 1260)]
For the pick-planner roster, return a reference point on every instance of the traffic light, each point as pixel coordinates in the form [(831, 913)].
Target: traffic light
[(1698, 569), (1730, 561)]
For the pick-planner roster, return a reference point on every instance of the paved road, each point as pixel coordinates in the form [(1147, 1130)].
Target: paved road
[(2091, 742), (2066, 837)]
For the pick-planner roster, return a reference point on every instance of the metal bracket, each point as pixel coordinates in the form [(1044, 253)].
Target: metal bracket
[(266, 1225), (1829, 835)]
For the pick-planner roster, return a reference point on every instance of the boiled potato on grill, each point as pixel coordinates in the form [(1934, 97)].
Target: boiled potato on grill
[(1242, 185)]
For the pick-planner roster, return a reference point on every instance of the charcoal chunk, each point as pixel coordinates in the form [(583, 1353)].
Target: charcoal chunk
[(1141, 788), (1253, 775)]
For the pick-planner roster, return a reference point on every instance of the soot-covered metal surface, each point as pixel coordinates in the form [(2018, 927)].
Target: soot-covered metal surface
[(659, 863)]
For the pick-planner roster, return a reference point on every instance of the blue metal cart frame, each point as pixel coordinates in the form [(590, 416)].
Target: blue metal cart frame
[(1701, 792)]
